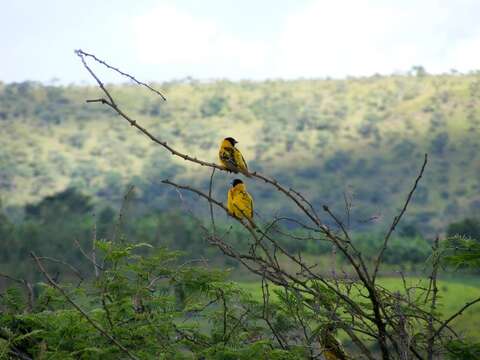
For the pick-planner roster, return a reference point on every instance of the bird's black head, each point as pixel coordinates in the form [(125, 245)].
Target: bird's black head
[(236, 182), (231, 140)]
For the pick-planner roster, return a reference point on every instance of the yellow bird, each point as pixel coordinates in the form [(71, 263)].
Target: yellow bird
[(231, 158), (239, 202)]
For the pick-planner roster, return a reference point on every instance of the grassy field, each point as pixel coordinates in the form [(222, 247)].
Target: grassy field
[(453, 294)]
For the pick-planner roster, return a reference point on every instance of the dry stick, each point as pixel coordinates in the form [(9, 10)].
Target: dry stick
[(397, 219), (80, 52), (74, 269), (79, 309), (211, 205)]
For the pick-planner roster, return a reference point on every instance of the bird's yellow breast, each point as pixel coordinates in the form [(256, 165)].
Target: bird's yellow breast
[(240, 203)]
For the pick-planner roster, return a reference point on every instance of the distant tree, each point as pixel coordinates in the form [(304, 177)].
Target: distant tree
[(69, 201), (213, 106), (418, 71), (468, 227)]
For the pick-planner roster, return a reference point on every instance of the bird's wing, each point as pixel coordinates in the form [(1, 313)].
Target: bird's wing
[(247, 204), (230, 204), (251, 206), (227, 155), (239, 160), (244, 162)]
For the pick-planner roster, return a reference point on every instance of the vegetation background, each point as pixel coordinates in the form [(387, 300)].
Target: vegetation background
[(66, 166)]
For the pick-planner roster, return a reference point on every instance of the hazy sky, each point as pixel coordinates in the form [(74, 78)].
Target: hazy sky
[(241, 39)]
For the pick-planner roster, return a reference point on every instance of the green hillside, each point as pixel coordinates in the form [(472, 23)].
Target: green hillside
[(362, 136)]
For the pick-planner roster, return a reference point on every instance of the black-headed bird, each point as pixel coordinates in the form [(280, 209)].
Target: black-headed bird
[(231, 158), (239, 201)]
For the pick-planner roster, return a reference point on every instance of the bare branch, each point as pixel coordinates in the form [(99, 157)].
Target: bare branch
[(81, 54), (95, 264), (71, 267), (455, 315), (211, 205), (397, 218)]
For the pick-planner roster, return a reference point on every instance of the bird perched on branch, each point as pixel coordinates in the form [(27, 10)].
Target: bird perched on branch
[(231, 158), (239, 202)]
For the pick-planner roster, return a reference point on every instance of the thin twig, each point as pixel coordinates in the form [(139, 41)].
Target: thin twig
[(71, 267), (94, 263), (211, 205), (455, 315), (82, 53), (397, 218)]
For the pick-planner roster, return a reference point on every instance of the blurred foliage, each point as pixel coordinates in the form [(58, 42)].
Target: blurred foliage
[(136, 300), (461, 350), (53, 227), (462, 252), (468, 227)]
